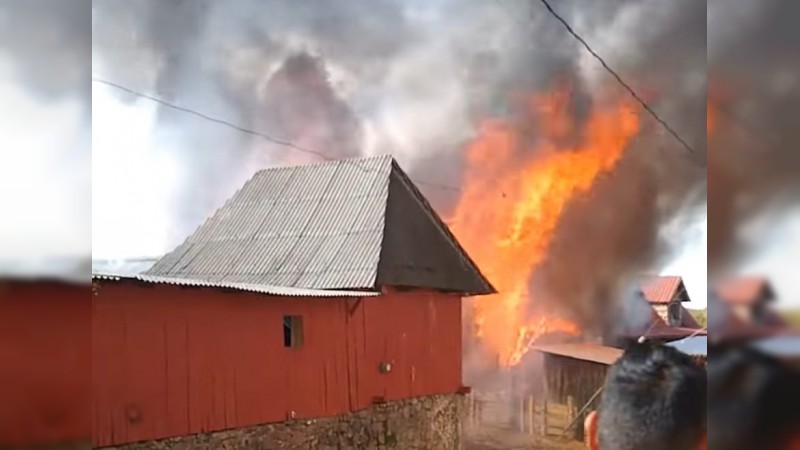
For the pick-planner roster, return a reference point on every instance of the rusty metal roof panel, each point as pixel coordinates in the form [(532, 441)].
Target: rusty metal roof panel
[(586, 352)]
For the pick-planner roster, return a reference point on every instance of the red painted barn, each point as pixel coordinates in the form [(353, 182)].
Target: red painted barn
[(45, 337), (314, 292)]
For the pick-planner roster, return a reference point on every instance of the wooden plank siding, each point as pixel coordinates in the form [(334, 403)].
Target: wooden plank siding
[(171, 361), (45, 360), (576, 378)]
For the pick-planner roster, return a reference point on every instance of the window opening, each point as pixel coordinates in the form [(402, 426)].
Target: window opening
[(292, 331)]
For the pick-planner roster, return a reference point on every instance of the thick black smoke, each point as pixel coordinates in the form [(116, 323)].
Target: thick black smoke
[(754, 97)]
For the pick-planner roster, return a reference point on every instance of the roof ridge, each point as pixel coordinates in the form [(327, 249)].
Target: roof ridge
[(318, 163)]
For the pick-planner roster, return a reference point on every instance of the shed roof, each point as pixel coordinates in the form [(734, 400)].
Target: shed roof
[(663, 289), (587, 352), (345, 224)]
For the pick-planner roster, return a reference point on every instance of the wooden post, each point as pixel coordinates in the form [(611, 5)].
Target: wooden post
[(531, 413), (570, 408), (472, 411), (521, 414), (545, 399), (544, 418)]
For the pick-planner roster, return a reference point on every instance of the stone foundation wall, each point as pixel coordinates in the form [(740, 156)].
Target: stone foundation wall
[(425, 423)]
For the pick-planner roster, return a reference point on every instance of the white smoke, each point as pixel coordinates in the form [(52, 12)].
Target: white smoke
[(43, 178), (133, 181), (417, 75)]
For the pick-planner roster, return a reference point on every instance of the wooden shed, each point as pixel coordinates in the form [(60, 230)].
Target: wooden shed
[(45, 340), (314, 292), (574, 374)]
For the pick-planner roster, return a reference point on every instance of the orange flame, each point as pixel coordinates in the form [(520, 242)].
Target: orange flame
[(511, 205)]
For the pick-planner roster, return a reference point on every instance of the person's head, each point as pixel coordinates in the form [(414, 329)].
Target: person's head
[(753, 401), (654, 399)]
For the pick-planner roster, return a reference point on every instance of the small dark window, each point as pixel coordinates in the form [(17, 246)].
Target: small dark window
[(292, 331), (675, 315)]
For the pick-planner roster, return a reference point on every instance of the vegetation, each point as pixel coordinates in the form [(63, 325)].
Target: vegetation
[(792, 316), (700, 315)]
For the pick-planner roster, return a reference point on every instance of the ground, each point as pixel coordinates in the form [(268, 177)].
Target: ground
[(494, 428), (499, 438)]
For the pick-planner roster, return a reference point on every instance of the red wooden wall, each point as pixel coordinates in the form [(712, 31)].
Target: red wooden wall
[(45, 342), (170, 361)]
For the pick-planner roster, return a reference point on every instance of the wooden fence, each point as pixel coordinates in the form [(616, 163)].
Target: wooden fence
[(527, 415)]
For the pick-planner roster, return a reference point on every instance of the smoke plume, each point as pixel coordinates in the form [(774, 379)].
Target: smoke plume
[(44, 135), (413, 78), (754, 93)]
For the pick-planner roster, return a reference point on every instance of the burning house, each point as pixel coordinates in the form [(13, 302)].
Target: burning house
[(319, 306)]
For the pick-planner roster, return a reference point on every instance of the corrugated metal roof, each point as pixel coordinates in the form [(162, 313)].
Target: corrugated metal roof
[(280, 291), (662, 289), (326, 226), (587, 352)]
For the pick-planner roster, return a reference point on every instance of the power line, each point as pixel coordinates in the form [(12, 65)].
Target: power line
[(619, 79), (242, 129)]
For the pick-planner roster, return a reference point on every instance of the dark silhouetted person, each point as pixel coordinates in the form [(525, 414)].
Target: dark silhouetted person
[(654, 399), (753, 401)]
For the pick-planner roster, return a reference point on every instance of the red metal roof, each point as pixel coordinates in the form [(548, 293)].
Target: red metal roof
[(586, 352), (670, 333), (661, 289), (744, 290)]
